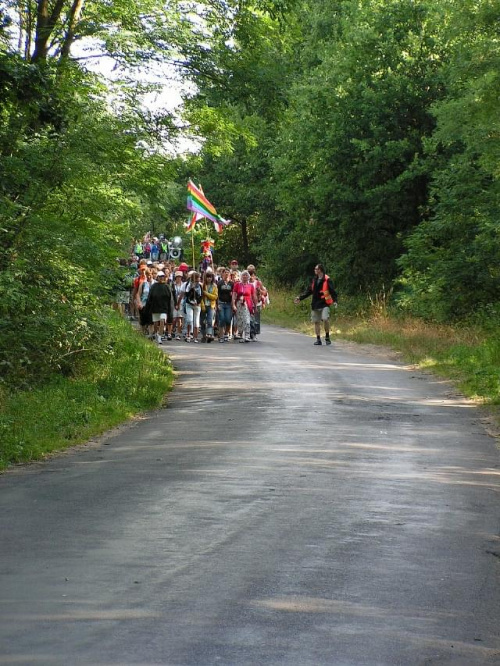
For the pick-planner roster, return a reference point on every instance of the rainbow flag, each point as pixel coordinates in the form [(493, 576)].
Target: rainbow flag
[(200, 205), (220, 224)]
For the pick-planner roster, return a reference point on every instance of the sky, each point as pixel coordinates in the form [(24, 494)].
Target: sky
[(168, 97)]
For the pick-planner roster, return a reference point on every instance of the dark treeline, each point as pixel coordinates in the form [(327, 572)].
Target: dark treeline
[(368, 138), (365, 135)]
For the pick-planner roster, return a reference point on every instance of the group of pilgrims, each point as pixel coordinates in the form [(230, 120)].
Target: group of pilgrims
[(176, 302)]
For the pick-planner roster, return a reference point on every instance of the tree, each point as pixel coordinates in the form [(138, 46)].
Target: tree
[(81, 170), (356, 122), (451, 267), (242, 83)]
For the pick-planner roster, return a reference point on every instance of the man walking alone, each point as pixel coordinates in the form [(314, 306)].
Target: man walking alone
[(323, 297)]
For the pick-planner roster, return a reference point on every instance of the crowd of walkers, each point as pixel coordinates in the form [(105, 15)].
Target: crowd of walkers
[(176, 302)]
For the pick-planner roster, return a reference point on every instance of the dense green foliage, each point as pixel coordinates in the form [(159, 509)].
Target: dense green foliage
[(366, 135), (80, 174), (452, 266)]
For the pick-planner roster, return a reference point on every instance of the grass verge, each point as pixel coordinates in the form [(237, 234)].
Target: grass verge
[(132, 377), (469, 356)]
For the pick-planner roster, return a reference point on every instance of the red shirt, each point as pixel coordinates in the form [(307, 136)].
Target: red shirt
[(246, 290)]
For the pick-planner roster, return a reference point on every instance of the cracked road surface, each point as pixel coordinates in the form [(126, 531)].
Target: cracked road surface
[(293, 505)]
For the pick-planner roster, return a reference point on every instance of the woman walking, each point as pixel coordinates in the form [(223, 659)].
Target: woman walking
[(178, 311), (193, 295), (225, 309), (208, 304), (244, 301)]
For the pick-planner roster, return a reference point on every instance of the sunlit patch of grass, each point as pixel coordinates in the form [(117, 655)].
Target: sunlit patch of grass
[(133, 376)]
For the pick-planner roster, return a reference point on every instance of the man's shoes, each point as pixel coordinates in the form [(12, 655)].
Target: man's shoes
[(328, 341), (318, 342), (158, 339)]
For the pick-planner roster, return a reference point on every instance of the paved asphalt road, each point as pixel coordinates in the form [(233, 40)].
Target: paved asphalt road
[(293, 505)]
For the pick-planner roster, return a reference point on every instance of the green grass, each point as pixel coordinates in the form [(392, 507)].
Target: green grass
[(133, 376), (469, 356)]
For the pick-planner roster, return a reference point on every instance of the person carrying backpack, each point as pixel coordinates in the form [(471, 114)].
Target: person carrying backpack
[(191, 295), (324, 297)]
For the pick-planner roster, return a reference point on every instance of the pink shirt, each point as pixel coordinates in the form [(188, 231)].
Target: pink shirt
[(245, 290)]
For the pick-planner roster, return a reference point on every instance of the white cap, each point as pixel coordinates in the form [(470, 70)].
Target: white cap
[(160, 274)]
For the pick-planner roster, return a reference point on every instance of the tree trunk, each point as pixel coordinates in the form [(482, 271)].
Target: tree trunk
[(74, 18), (45, 24)]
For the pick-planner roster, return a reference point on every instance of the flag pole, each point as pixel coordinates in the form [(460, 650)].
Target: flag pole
[(192, 246)]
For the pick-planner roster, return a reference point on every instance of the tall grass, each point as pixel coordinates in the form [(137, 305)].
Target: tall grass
[(133, 375), (469, 355)]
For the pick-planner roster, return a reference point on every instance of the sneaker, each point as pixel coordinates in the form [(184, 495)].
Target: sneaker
[(328, 341), (196, 341), (169, 337), (246, 339), (210, 338), (187, 338), (318, 342), (242, 341), (177, 337), (226, 338), (221, 340), (158, 339)]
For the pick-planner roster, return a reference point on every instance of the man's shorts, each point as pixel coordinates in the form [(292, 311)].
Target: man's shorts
[(320, 315), (157, 316)]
